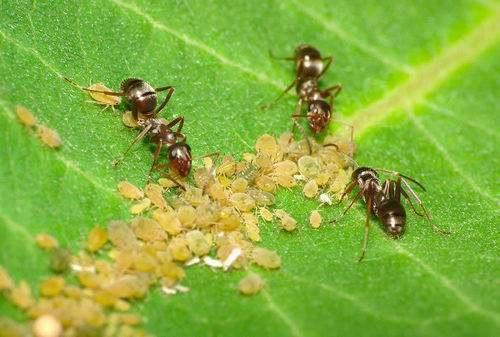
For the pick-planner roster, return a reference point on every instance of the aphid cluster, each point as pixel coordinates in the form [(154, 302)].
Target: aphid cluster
[(212, 222), (48, 136)]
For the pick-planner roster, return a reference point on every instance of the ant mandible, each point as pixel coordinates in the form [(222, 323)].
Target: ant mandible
[(143, 101), (310, 67), (385, 201)]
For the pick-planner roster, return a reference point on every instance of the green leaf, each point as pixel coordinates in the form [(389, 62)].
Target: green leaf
[(420, 86)]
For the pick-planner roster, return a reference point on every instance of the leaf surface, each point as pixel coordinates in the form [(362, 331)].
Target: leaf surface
[(420, 86)]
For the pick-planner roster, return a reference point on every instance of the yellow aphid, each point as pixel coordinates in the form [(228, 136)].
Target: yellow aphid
[(25, 116), (310, 189), (6, 282), (144, 262), (208, 163), (46, 241), (52, 286), (261, 198), (21, 296), (250, 284), (229, 219), (186, 215), (252, 232), (287, 222), (122, 305), (129, 120), (263, 161), (122, 236), (90, 280), (140, 206), (130, 319), (155, 193), (197, 243), (323, 178), (266, 145), (315, 219), (179, 250), (166, 183), (239, 185), (49, 136), (168, 221), (171, 273), (265, 183), (243, 202), (129, 190), (286, 167), (147, 229), (248, 157), (97, 238), (47, 326), (285, 180), (266, 214), (309, 166), (266, 258), (101, 98)]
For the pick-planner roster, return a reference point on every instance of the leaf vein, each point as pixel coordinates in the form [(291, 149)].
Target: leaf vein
[(446, 156), (198, 44), (294, 330)]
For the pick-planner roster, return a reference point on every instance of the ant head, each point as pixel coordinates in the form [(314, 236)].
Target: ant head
[(364, 173), (180, 158), (141, 95), (319, 115), (308, 60), (393, 216)]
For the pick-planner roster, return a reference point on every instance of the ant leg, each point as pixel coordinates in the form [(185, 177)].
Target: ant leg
[(179, 120), (348, 190), (155, 157), (167, 98), (367, 229), (329, 60), (356, 198), (267, 106), (332, 91), (295, 122), (407, 197), (110, 93), (421, 204), (138, 138), (403, 176)]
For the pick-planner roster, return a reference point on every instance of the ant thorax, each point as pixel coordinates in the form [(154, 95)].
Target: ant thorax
[(308, 90), (368, 177)]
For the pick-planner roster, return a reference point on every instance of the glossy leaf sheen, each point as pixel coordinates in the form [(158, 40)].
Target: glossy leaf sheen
[(420, 85)]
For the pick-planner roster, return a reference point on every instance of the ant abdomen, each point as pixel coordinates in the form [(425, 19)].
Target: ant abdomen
[(393, 216), (141, 95), (180, 158)]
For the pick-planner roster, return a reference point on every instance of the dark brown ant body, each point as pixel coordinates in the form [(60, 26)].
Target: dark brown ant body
[(310, 67), (143, 101), (385, 201)]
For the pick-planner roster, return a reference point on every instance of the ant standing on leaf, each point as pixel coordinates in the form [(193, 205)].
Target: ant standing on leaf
[(143, 101), (310, 67), (385, 201)]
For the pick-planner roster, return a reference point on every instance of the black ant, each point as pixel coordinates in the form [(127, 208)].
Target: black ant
[(385, 201), (310, 67), (143, 100)]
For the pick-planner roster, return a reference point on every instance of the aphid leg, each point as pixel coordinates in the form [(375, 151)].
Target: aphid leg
[(421, 204), (168, 176), (155, 157), (267, 106), (328, 61), (367, 228), (138, 138), (167, 98)]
